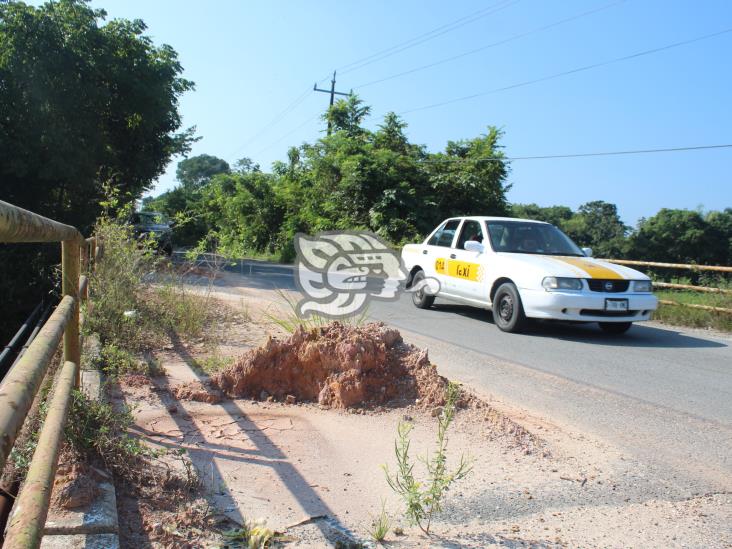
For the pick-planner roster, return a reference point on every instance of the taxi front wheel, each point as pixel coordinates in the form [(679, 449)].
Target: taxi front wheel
[(420, 298), (508, 312)]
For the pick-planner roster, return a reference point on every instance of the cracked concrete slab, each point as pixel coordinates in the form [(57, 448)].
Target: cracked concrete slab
[(81, 541), (99, 517)]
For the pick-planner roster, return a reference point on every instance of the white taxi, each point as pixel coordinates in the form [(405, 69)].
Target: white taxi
[(523, 269)]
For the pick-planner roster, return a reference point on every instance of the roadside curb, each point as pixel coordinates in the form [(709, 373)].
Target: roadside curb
[(95, 525)]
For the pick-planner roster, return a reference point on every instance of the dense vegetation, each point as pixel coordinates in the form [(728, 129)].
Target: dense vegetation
[(89, 107), (356, 178), (353, 178), (675, 236), (84, 106)]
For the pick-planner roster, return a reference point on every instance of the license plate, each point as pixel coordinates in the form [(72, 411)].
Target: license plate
[(616, 304)]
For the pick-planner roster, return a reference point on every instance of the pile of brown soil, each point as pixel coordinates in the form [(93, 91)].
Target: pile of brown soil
[(75, 484), (198, 392), (135, 380), (339, 366)]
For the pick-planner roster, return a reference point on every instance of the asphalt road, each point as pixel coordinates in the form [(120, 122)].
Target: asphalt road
[(663, 395)]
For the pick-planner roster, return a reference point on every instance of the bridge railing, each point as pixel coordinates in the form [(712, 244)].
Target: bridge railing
[(21, 384), (688, 287)]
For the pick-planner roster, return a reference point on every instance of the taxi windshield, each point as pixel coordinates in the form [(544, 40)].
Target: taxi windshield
[(525, 237)]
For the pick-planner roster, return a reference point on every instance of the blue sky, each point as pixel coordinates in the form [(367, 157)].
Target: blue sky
[(250, 60)]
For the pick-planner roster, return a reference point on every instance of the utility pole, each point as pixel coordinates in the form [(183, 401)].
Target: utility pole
[(332, 93)]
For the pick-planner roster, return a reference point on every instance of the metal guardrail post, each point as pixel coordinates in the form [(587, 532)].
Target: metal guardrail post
[(25, 528), (22, 382), (70, 286), (84, 288), (84, 250), (93, 252)]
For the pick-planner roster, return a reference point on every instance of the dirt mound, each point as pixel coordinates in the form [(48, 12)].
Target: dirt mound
[(339, 366), (135, 380), (75, 485), (198, 392)]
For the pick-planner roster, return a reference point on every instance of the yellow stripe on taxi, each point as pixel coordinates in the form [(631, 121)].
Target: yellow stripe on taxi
[(591, 268)]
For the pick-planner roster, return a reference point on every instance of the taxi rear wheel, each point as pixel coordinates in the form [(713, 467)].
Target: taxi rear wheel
[(420, 298), (615, 327), (508, 311)]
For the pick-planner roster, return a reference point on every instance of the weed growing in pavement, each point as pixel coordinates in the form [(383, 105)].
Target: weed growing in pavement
[(425, 499), (116, 286), (115, 361), (380, 524), (253, 535), (97, 429), (25, 444), (213, 363)]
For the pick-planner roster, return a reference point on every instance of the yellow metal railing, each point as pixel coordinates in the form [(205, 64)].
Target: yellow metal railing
[(21, 384), (690, 287)]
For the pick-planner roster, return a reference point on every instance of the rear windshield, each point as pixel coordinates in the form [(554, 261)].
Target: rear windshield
[(524, 237)]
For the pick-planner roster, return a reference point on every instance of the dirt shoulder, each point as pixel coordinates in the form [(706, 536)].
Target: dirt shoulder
[(315, 473)]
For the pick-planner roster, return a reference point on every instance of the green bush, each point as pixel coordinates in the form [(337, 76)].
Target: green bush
[(137, 299), (97, 429)]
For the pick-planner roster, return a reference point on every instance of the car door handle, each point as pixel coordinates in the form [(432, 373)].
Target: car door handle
[(424, 252), (452, 256)]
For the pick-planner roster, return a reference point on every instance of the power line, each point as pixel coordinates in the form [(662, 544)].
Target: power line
[(273, 143), (572, 71), (393, 50), (491, 45), (577, 155), (281, 115), (382, 54), (429, 35)]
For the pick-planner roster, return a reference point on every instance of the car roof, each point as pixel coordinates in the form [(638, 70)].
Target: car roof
[(493, 218)]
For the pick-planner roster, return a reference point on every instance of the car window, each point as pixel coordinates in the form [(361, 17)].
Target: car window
[(445, 234), (530, 238), (471, 230)]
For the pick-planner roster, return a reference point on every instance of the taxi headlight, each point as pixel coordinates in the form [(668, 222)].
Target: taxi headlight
[(561, 283), (642, 286)]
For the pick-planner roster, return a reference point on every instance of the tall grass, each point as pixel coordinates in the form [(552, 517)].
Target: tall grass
[(697, 318), (289, 320), (136, 299)]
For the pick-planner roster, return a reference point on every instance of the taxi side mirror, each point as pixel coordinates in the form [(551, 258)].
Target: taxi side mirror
[(587, 252), (474, 246)]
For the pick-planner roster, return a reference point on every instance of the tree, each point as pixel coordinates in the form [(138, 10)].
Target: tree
[(682, 236), (556, 215), (84, 106), (195, 172), (346, 115), (720, 229), (598, 226), (351, 179), (468, 178)]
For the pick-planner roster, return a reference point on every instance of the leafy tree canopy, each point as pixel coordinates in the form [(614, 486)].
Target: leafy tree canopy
[(352, 178), (83, 105), (193, 173)]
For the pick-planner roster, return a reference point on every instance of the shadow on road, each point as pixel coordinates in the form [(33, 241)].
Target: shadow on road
[(640, 335), (268, 276), (266, 453)]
